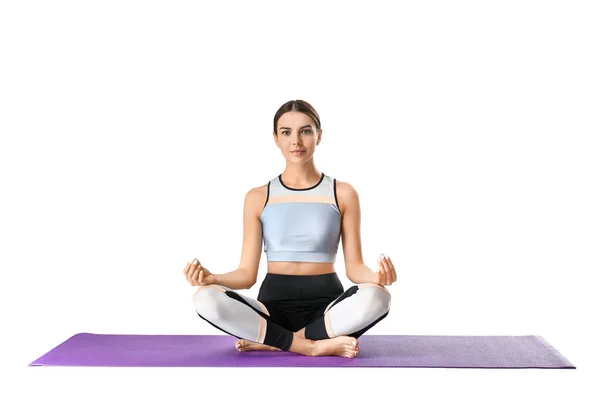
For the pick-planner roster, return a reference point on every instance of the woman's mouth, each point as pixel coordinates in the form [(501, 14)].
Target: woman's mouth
[(298, 152)]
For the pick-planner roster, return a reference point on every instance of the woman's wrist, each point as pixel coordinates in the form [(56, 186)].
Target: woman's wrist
[(362, 274), (236, 279)]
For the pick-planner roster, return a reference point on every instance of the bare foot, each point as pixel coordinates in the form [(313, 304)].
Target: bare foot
[(344, 346), (246, 345)]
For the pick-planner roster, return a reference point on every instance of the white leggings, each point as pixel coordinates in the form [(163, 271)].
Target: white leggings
[(288, 303)]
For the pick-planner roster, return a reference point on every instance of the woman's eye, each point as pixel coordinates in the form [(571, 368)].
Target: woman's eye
[(306, 130)]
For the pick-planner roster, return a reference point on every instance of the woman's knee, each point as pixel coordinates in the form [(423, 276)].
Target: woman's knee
[(377, 298), (208, 300)]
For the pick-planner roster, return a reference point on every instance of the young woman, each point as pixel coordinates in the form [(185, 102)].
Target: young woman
[(301, 215)]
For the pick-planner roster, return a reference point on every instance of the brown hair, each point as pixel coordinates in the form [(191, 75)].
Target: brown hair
[(300, 106)]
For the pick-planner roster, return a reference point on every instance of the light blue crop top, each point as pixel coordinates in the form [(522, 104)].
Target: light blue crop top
[(301, 224)]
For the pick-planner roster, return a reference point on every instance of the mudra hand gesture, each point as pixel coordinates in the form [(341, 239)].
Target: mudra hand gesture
[(386, 273), (197, 275)]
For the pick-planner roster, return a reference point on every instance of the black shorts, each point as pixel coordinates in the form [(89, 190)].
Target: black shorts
[(294, 301)]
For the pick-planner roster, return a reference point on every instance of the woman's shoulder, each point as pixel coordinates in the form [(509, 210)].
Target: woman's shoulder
[(256, 197), (258, 192), (344, 188), (346, 194)]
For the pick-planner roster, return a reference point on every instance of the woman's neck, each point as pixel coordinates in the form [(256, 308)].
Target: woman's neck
[(301, 177)]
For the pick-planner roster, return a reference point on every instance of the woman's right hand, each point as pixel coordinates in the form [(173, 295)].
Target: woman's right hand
[(197, 275)]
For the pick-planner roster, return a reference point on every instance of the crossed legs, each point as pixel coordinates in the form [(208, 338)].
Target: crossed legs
[(332, 332)]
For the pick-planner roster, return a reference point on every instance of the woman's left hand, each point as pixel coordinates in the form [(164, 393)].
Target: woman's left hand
[(386, 273)]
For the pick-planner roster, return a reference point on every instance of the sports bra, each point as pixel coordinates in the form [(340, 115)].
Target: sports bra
[(301, 224)]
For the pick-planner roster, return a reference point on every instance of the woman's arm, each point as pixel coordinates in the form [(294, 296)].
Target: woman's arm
[(356, 270), (236, 279), (244, 277)]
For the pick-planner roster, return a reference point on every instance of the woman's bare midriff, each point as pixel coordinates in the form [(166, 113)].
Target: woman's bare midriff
[(299, 268)]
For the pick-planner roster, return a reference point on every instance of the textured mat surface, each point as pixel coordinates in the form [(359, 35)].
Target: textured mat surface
[(87, 349)]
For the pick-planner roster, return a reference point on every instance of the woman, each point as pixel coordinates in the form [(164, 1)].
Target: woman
[(301, 214)]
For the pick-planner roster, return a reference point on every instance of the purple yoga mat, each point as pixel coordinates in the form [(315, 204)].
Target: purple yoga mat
[(87, 349)]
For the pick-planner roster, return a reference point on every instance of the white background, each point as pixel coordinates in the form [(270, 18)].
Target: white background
[(131, 132)]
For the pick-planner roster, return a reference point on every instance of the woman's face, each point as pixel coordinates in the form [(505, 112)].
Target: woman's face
[(296, 131)]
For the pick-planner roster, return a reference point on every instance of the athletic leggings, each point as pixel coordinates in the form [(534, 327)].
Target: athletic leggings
[(288, 303)]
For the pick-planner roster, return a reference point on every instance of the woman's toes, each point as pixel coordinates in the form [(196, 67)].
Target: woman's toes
[(240, 345)]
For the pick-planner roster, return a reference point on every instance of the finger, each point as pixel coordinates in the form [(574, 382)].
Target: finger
[(194, 270), (380, 272), (393, 276), (187, 272), (386, 269), (393, 270), (388, 275), (191, 272), (196, 277), (187, 267), (193, 267), (382, 268), (380, 261)]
